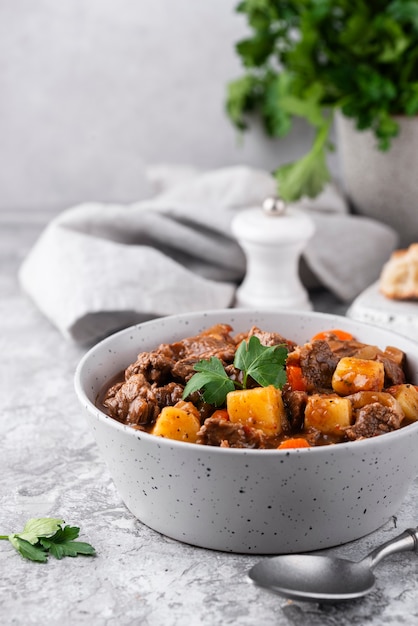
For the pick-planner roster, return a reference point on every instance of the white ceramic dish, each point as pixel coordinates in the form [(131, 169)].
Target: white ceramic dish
[(373, 307), (249, 501)]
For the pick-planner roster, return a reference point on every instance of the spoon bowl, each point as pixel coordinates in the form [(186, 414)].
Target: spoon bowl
[(323, 578)]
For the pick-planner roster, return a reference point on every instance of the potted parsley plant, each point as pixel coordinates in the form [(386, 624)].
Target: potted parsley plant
[(356, 61)]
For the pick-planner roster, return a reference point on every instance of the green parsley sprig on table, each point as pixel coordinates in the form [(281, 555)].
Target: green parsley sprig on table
[(47, 535), (264, 364)]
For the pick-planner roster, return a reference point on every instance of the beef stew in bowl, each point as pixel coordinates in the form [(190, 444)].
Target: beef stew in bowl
[(247, 499), (332, 389)]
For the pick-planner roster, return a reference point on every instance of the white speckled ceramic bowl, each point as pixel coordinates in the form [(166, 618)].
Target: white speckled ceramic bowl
[(249, 501)]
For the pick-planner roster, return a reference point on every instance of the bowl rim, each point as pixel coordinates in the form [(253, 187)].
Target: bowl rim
[(164, 441)]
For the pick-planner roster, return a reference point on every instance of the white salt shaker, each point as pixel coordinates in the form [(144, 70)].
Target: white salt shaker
[(273, 238)]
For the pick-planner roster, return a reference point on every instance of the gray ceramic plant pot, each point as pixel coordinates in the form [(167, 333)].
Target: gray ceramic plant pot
[(382, 185)]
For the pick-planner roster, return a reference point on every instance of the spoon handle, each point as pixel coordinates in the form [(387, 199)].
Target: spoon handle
[(406, 541)]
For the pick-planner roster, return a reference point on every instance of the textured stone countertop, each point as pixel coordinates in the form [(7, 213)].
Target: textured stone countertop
[(50, 466)]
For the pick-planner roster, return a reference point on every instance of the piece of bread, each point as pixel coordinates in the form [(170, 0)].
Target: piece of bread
[(399, 277)]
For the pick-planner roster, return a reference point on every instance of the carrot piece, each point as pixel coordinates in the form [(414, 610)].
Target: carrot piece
[(295, 377), (295, 442), (221, 414), (340, 334)]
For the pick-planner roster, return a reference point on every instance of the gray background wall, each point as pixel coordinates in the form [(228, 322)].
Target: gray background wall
[(92, 91)]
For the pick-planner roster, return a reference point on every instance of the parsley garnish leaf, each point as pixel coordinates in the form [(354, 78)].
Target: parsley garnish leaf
[(39, 527), (264, 364), (213, 379), (27, 550), (43, 536), (63, 544)]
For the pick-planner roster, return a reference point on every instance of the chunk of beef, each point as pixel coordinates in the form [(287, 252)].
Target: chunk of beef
[(396, 355), (154, 366), (177, 360), (394, 373), (138, 402), (318, 363), (314, 436), (295, 404), (169, 394), (220, 432), (215, 341), (132, 401), (342, 348), (372, 420), (183, 370), (266, 338), (205, 409)]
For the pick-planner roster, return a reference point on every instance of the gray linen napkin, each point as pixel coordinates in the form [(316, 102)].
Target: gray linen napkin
[(97, 268)]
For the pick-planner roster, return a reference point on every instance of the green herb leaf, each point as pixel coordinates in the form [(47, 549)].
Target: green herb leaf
[(63, 544), (27, 550), (46, 535), (304, 58), (256, 50), (277, 120), (265, 364), (39, 527), (308, 175), (213, 379)]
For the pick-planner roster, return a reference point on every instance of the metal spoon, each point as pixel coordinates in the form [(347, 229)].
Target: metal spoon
[(318, 578)]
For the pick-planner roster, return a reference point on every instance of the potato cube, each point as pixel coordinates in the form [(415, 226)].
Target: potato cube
[(177, 423), (189, 407), (352, 375), (260, 407), (328, 414), (407, 396), (362, 398)]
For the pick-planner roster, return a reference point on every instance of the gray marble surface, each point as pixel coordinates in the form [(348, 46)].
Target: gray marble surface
[(50, 466)]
